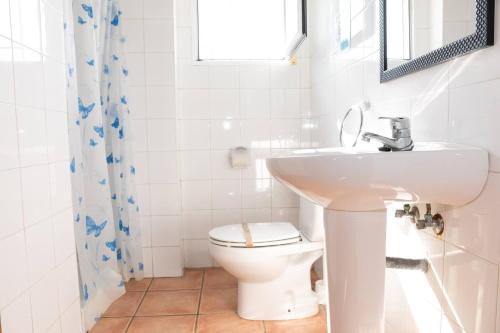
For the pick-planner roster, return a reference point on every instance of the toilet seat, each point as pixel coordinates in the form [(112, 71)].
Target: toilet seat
[(262, 234)]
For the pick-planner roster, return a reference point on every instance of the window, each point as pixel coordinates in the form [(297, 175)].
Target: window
[(250, 29)]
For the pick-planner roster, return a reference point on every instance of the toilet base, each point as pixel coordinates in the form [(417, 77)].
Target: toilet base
[(288, 296)]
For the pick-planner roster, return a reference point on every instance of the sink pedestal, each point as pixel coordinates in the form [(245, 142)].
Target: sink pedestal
[(355, 254)]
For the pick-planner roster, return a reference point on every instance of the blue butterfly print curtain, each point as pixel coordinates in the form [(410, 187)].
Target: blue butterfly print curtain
[(104, 198)]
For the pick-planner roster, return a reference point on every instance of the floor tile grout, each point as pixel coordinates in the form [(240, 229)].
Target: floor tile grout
[(199, 301)]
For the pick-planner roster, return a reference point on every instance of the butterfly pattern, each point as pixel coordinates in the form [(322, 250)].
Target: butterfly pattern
[(105, 202)]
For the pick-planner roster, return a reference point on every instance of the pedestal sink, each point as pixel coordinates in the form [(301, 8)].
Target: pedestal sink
[(354, 185)]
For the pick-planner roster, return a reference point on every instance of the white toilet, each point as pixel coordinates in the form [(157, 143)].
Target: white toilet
[(272, 262)]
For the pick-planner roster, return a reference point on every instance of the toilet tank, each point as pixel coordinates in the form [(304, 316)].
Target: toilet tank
[(311, 220)]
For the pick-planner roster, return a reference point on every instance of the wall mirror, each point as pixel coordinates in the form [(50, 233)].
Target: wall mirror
[(416, 34)]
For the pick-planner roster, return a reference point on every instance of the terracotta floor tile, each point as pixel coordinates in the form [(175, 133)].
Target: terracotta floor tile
[(191, 280), (316, 324), (134, 285), (126, 305), (110, 325), (228, 323), (219, 278), (164, 324), (219, 300), (157, 303)]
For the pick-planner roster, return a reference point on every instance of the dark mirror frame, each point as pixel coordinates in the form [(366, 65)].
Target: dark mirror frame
[(483, 37)]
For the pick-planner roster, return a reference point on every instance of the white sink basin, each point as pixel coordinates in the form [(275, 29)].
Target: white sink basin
[(354, 185), (352, 179)]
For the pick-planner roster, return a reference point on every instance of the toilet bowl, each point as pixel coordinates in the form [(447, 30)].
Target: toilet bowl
[(272, 262)]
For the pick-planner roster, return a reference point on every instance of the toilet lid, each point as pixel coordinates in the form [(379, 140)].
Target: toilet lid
[(262, 234)]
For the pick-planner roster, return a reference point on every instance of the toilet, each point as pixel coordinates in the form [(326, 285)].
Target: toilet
[(272, 262)]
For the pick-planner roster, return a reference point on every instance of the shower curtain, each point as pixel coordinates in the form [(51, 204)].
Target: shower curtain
[(105, 204)]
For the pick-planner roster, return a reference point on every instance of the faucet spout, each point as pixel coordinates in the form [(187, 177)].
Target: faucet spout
[(399, 144)]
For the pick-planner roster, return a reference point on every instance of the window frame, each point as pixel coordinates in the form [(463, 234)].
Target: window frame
[(291, 51)]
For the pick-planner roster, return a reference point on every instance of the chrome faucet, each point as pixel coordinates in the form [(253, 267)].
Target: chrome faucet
[(401, 135)]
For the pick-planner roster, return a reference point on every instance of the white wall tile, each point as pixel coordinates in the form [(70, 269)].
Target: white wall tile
[(255, 103), (25, 22), (195, 134), (16, 317), (285, 76), (52, 34), (467, 279), (29, 78), (196, 194), (483, 98), (139, 135), (283, 197), (159, 35), (160, 102), (146, 229), (165, 199), (256, 215), (256, 133), (158, 9), (141, 167), (137, 70), (166, 231), (10, 203), (55, 85), (285, 103), (14, 274), (71, 319), (160, 69), (225, 217), (36, 194), (163, 167), (6, 69), (137, 102), (64, 235), (226, 194), (5, 19), (8, 138), (258, 168), (196, 253), (224, 103), (133, 30), (257, 193), (184, 43), (225, 134), (40, 250), (195, 165), (196, 224), (147, 254), (67, 283), (60, 186), (474, 227), (285, 133), (144, 199), (132, 9), (189, 76), (44, 304), (57, 137), (162, 134), (32, 136), (192, 103), (223, 77), (168, 261), (254, 77)]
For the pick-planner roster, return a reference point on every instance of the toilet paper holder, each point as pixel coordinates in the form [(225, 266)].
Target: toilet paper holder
[(239, 157)]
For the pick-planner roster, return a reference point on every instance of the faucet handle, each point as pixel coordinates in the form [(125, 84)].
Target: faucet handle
[(398, 122)]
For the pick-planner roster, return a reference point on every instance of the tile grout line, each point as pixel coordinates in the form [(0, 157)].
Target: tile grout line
[(199, 301), (138, 306)]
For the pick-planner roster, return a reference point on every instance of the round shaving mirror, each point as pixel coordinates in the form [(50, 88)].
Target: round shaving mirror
[(352, 124)]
